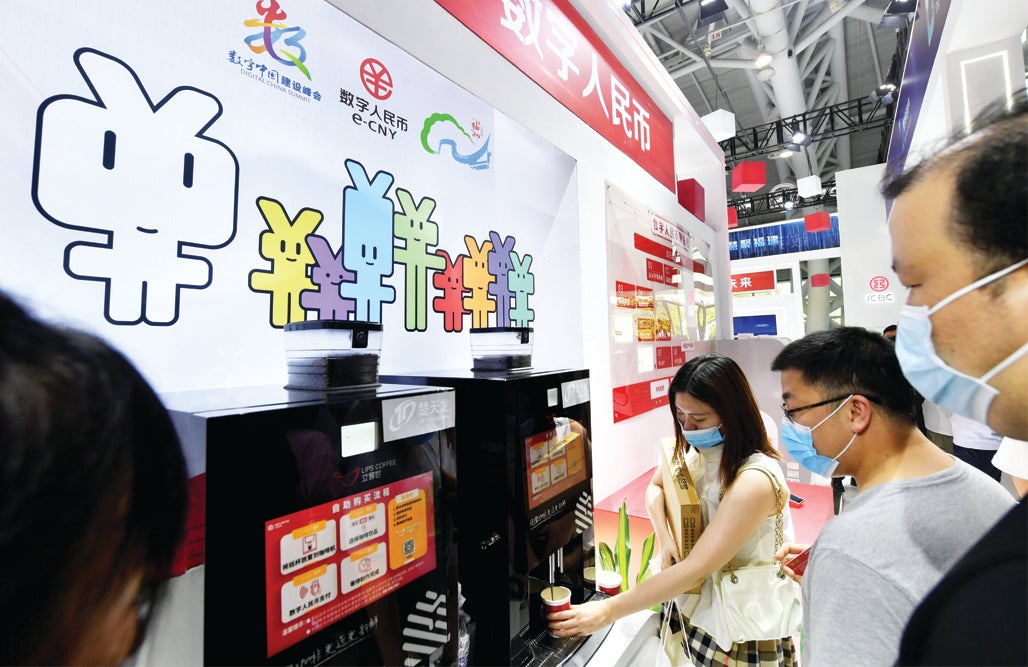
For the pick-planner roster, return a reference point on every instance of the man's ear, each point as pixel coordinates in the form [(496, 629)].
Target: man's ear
[(860, 413)]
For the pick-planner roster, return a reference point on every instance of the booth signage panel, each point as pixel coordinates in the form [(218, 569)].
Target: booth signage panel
[(550, 42), (780, 239), (754, 281), (654, 314), (263, 152)]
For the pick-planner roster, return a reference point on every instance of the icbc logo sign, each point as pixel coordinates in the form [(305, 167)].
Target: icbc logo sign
[(878, 283), (376, 79), (878, 294)]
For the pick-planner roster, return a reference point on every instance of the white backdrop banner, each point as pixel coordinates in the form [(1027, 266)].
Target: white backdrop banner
[(186, 183)]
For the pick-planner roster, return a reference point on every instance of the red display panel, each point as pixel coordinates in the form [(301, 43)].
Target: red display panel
[(328, 561), (754, 281)]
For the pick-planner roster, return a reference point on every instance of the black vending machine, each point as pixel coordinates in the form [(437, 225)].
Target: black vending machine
[(524, 514), (327, 525)]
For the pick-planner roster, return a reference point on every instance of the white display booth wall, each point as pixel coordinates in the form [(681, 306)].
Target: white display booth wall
[(872, 293), (158, 196)]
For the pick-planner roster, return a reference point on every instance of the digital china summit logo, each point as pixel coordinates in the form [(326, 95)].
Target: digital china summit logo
[(275, 54)]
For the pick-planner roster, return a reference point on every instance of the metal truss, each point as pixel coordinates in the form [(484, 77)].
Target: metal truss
[(776, 202), (829, 122), (644, 12)]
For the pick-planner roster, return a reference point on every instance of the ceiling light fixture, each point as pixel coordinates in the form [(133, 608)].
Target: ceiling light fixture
[(712, 11), (887, 90), (886, 93), (763, 58), (800, 138), (766, 73)]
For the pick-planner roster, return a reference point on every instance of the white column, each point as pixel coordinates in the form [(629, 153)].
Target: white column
[(816, 308)]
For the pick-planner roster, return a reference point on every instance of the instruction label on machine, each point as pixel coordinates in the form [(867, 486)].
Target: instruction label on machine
[(556, 462), (328, 561)]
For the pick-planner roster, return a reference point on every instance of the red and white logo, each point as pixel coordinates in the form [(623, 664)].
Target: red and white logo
[(376, 79), (878, 283)]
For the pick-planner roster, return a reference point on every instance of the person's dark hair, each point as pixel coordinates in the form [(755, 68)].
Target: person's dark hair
[(92, 484), (851, 360), (990, 168), (719, 382), (891, 327)]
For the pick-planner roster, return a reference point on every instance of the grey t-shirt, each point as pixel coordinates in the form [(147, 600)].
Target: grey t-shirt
[(873, 563)]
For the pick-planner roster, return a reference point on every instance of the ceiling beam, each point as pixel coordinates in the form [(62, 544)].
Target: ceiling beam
[(856, 115), (752, 206), (818, 31)]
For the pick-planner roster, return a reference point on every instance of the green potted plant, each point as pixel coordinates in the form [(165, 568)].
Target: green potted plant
[(618, 559)]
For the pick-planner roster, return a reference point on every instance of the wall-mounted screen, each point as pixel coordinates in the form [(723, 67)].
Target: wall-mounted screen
[(756, 325)]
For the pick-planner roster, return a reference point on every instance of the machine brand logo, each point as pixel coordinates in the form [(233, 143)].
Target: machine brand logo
[(410, 417), (348, 479), (402, 415)]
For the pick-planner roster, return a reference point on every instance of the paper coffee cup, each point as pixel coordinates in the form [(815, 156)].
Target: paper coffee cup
[(555, 598), (589, 575), (608, 581)]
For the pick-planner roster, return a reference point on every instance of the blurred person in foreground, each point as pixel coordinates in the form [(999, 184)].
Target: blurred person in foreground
[(92, 496), (849, 411), (959, 229)]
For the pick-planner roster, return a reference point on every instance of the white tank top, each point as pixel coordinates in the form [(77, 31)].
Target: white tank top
[(702, 609)]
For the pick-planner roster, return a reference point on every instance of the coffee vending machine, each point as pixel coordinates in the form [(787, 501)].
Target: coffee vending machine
[(325, 527), (524, 513)]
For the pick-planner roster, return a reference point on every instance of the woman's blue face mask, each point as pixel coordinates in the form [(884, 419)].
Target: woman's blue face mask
[(703, 438)]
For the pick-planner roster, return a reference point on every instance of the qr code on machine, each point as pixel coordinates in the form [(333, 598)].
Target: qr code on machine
[(408, 548)]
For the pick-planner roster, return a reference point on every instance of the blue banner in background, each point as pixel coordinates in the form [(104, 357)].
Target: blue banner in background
[(781, 239)]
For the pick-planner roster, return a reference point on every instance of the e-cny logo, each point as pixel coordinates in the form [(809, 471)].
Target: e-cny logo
[(376, 79)]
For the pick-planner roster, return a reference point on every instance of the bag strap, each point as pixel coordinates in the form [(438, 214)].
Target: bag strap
[(664, 634), (779, 519)]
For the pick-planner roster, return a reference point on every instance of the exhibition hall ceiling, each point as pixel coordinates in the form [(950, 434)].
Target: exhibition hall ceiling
[(822, 53)]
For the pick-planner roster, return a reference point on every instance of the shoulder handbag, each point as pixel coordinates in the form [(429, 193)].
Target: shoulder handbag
[(760, 601)]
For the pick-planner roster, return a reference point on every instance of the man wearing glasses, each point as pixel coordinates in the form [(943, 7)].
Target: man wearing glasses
[(849, 411)]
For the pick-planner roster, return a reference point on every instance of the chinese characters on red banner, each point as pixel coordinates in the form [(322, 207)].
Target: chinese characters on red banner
[(553, 45)]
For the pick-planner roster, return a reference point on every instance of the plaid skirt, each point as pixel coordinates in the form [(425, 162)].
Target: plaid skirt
[(758, 653)]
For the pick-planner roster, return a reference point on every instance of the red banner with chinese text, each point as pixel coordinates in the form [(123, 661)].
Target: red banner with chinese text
[(554, 46)]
